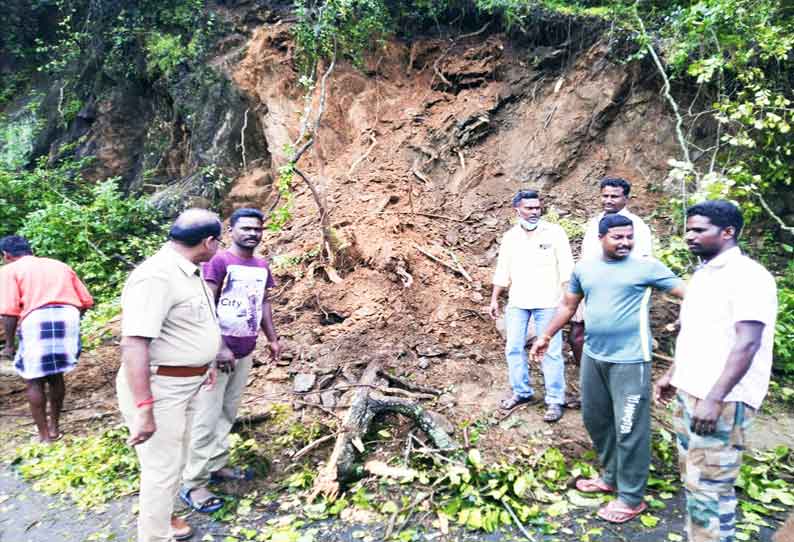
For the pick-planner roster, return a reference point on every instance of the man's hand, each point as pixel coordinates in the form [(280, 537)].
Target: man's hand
[(493, 309), (225, 359), (705, 416), (275, 350), (212, 378), (663, 391), (144, 426), (8, 351), (539, 348)]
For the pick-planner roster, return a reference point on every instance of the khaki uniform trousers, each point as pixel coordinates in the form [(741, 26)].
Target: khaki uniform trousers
[(162, 457), (216, 411)]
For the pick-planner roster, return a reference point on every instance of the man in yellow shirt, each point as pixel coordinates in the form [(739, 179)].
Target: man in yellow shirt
[(535, 263), (170, 338)]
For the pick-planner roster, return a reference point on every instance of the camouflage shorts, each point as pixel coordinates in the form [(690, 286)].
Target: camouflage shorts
[(709, 467)]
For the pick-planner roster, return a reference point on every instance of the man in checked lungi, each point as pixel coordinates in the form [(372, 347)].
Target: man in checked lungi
[(41, 301)]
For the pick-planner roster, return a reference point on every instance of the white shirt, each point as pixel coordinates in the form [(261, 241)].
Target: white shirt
[(591, 244), (730, 288), (534, 266)]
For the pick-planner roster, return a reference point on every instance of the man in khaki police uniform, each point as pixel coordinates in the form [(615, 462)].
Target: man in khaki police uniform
[(170, 338)]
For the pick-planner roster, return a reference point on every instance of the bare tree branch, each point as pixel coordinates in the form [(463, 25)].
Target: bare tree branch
[(772, 214)]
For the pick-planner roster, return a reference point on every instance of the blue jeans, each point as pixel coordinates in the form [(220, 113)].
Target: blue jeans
[(516, 321)]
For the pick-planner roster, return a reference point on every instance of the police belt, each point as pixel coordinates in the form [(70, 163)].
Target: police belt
[(181, 371)]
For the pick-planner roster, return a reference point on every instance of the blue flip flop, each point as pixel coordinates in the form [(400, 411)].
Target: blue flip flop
[(212, 504)]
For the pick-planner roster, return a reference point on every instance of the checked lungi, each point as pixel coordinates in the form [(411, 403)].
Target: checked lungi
[(49, 341)]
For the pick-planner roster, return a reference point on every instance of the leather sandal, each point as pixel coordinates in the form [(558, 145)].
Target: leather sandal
[(553, 413), (180, 529), (514, 400)]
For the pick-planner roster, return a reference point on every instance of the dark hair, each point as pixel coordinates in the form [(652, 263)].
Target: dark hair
[(246, 212), (613, 220), (193, 234), (15, 245), (524, 194), (617, 182), (721, 213)]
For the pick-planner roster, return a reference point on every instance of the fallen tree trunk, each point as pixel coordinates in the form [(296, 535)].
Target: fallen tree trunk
[(364, 406)]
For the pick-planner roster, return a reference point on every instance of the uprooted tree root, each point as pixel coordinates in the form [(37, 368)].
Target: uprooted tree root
[(369, 401)]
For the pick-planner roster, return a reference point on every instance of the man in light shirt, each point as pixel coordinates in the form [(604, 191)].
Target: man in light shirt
[(723, 360), (614, 197), (535, 263)]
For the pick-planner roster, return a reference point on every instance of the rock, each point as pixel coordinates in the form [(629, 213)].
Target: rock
[(430, 350), (303, 382), (326, 380), (443, 422), (424, 363), (328, 399), (277, 374), (446, 399)]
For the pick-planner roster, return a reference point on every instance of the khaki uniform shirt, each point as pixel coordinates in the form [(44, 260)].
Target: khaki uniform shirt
[(534, 267), (165, 299)]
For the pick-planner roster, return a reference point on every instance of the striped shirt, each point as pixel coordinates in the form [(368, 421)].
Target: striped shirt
[(617, 294)]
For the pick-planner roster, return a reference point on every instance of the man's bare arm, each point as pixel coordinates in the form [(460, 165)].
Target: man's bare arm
[(679, 291), (565, 311), (10, 329), (493, 308), (135, 359), (270, 329)]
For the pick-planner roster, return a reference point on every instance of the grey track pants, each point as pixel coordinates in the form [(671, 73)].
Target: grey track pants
[(617, 414)]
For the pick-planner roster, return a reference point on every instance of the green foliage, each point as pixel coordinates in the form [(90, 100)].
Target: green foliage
[(93, 228), (129, 40), (574, 229), (94, 325), (102, 235), (784, 330), (91, 470), (675, 254), (246, 453), (764, 478), (346, 28)]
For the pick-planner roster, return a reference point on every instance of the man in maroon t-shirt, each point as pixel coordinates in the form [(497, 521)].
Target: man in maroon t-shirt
[(240, 282)]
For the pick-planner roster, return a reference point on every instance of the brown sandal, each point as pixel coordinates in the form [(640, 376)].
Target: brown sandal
[(514, 400)]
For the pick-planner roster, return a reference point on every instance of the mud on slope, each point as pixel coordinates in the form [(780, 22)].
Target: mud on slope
[(424, 148)]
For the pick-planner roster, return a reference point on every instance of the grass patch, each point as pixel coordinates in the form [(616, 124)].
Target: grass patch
[(90, 470)]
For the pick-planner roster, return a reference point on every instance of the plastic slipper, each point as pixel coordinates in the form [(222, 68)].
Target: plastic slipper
[(238, 474), (625, 513), (593, 485), (212, 504)]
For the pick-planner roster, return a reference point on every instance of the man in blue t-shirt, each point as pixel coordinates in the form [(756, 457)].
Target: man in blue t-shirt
[(615, 369)]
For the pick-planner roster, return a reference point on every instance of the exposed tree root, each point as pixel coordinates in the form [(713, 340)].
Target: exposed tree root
[(367, 403)]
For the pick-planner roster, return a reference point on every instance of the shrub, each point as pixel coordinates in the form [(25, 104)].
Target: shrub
[(784, 331), (102, 238)]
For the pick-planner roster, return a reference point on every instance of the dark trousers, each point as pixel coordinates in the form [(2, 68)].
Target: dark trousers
[(617, 415)]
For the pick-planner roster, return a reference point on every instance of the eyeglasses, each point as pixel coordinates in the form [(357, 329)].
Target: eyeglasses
[(219, 241)]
